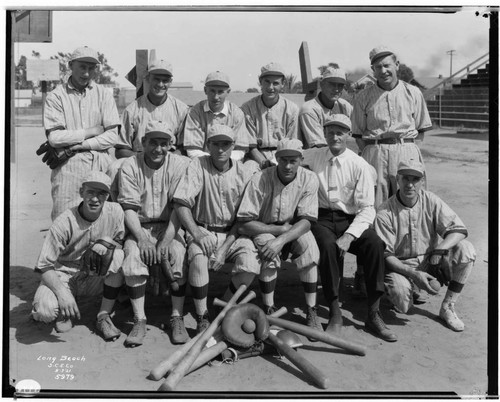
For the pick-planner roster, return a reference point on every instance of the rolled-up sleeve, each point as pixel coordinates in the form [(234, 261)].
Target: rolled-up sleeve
[(190, 185)]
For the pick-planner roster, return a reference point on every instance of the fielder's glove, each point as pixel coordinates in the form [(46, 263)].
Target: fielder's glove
[(54, 157), (441, 269), (97, 259)]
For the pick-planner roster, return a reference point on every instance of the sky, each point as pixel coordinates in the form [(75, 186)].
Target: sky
[(239, 43)]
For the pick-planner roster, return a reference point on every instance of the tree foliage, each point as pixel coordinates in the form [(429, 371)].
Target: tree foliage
[(323, 68), (292, 86), (105, 73), (252, 90)]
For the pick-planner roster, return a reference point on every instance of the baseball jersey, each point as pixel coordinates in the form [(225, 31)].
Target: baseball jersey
[(414, 231), (150, 191), (213, 196), (312, 116), (398, 113), (200, 118), (268, 200), (354, 190), (71, 235), (137, 115), (267, 126)]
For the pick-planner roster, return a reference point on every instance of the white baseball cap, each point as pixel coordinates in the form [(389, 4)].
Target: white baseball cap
[(98, 180), (217, 78), (160, 67), (85, 53)]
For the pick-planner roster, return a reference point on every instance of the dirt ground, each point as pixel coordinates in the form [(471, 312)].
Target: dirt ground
[(428, 358)]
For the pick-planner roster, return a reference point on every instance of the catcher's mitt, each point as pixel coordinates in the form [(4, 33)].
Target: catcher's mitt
[(236, 323), (54, 157), (97, 259), (442, 270)]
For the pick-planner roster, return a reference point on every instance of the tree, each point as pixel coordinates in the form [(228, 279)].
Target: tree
[(21, 82), (405, 73), (292, 86), (323, 68), (252, 90), (105, 73)]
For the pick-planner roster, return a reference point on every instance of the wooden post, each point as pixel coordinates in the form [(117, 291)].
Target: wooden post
[(138, 73), (309, 87), (43, 85)]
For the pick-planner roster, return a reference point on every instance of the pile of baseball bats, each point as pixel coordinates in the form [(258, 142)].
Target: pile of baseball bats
[(193, 354)]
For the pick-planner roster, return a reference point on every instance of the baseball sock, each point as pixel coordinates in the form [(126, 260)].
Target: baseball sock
[(200, 298), (309, 279), (460, 274), (267, 284), (198, 280), (241, 278), (111, 290), (178, 300), (136, 289)]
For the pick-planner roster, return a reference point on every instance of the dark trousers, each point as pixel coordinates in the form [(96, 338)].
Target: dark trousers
[(368, 248)]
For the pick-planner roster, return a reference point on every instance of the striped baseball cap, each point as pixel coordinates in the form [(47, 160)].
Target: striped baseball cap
[(160, 67), (272, 69), (289, 147), (96, 179), (338, 120), (85, 53), (158, 129), (411, 167), (220, 132), (378, 52), (217, 78), (334, 74)]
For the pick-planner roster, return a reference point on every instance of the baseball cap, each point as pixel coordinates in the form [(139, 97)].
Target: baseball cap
[(220, 132), (98, 180), (85, 53), (334, 74), (338, 120), (289, 147), (160, 67), (158, 129), (217, 78), (272, 69), (411, 167), (378, 52)]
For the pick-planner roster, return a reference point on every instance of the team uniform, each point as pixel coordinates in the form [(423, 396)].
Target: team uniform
[(389, 122), (199, 120), (266, 126), (68, 109), (312, 116), (150, 193), (346, 199), (411, 233), (68, 238)]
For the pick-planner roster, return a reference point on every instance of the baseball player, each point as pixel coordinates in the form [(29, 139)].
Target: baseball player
[(345, 216), (215, 110), (93, 226), (276, 212), (386, 120), (81, 123), (328, 102), (206, 202), (270, 117), (425, 239), (146, 185)]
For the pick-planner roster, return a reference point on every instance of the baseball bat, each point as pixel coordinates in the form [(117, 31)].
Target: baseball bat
[(304, 365), (182, 368), (163, 368), (213, 351), (169, 273), (319, 335), (250, 296)]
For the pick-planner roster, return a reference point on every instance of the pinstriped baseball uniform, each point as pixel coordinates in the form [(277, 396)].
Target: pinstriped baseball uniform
[(150, 193), (268, 200), (200, 118), (137, 115), (214, 198), (312, 116), (266, 126), (380, 114), (411, 233), (68, 238), (68, 109)]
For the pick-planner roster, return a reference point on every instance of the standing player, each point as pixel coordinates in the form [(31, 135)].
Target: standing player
[(276, 212), (270, 117), (81, 122), (94, 224), (425, 239), (215, 110), (345, 216), (328, 102), (386, 120), (146, 185), (206, 202)]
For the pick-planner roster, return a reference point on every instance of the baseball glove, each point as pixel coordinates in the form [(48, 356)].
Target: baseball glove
[(98, 257), (53, 157), (442, 270), (235, 324)]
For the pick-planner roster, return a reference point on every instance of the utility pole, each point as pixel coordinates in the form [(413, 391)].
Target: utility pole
[(450, 52)]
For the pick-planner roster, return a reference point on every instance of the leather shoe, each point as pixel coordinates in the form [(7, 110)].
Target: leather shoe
[(376, 325)]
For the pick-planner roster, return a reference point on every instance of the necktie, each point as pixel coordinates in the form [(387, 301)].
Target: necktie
[(332, 183)]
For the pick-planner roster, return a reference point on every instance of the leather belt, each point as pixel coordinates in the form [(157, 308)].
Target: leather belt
[(216, 229), (389, 141), (268, 149)]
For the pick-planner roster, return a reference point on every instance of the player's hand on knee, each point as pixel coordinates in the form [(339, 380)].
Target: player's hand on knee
[(207, 244), (148, 251), (272, 249), (161, 250), (344, 243), (67, 305), (216, 261)]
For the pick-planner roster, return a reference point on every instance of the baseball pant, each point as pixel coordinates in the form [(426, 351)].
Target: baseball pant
[(399, 288), (368, 248), (385, 159)]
